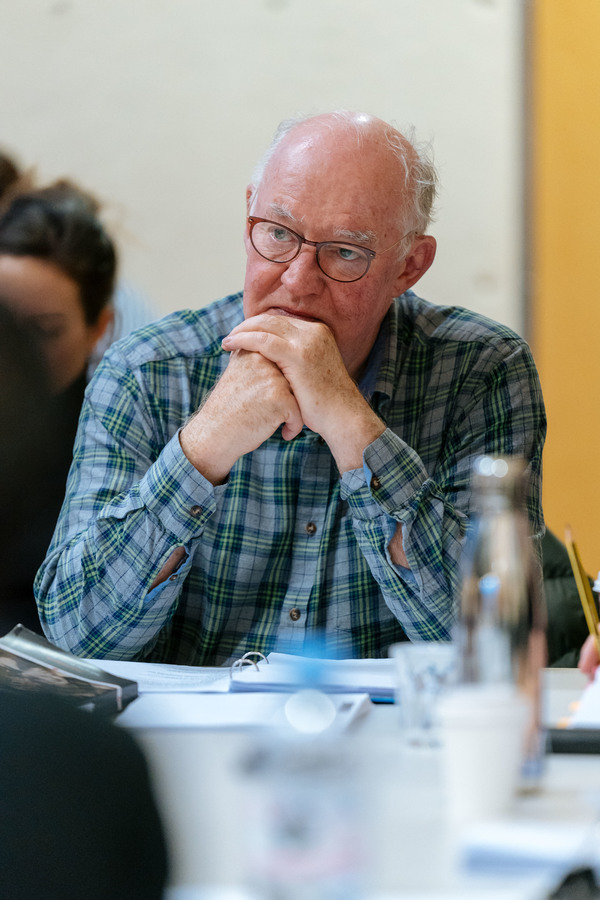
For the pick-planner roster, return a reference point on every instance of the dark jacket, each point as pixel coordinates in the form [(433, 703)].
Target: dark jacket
[(79, 819), (567, 628), (34, 511)]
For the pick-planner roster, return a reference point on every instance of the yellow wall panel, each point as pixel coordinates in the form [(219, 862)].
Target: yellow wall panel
[(566, 260)]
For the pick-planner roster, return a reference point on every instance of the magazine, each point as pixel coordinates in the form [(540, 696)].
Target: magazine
[(29, 662)]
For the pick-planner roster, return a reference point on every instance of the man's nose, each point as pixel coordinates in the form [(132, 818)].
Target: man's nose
[(303, 272)]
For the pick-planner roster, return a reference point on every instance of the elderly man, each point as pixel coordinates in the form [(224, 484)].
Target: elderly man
[(293, 459)]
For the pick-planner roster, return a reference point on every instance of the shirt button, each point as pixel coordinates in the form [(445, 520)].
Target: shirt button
[(375, 483), (195, 511), (311, 528), (295, 614)]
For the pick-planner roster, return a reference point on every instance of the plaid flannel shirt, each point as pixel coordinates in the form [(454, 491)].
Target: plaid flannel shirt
[(286, 548)]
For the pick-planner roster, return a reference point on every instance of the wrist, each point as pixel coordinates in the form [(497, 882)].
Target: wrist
[(209, 460), (349, 439)]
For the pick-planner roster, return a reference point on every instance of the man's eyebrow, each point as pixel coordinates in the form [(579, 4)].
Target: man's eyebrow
[(46, 317), (282, 212), (356, 237), (343, 234)]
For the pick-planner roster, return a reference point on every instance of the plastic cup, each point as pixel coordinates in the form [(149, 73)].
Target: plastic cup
[(483, 731), (424, 671)]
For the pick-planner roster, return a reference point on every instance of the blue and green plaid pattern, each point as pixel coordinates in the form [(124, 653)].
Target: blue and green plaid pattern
[(285, 534)]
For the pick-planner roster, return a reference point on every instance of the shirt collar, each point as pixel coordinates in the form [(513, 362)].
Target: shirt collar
[(380, 374)]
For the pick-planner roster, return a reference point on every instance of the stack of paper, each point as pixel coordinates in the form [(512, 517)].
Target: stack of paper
[(587, 711), (162, 678), (509, 846), (279, 672), (283, 672)]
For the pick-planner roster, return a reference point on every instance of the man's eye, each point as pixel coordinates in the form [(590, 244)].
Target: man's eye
[(46, 331), (280, 234), (347, 253)]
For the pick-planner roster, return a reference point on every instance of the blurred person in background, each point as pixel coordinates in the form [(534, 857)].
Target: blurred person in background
[(79, 816), (589, 658), (57, 271), (26, 452), (57, 276), (10, 174), (131, 308)]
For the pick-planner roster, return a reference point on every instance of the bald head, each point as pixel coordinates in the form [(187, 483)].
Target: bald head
[(369, 141)]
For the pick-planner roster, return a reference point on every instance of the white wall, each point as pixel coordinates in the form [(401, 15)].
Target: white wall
[(162, 107)]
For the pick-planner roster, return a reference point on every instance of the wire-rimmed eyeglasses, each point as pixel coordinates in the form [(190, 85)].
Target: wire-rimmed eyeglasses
[(336, 259)]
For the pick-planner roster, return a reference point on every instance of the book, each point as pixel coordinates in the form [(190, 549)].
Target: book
[(29, 662)]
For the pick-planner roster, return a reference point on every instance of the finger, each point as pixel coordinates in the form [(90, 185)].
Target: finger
[(289, 432), (266, 322), (290, 328), (588, 658), (268, 345), (293, 423), (291, 417)]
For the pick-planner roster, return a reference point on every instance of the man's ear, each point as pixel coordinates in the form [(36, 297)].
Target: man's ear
[(249, 195), (105, 320), (419, 259)]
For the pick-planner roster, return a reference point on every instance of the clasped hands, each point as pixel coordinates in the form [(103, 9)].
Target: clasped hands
[(285, 371)]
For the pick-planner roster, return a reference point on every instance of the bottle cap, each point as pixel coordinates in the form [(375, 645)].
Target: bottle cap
[(499, 473)]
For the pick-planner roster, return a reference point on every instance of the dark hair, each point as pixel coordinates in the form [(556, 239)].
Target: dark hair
[(9, 173), (24, 400), (59, 224)]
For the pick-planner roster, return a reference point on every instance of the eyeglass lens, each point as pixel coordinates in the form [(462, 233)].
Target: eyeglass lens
[(342, 262)]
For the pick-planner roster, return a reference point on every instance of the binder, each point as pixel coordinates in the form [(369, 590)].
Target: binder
[(286, 672)]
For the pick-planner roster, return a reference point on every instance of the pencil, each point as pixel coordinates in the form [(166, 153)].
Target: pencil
[(584, 589)]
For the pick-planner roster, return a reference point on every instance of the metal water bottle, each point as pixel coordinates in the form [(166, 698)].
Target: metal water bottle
[(501, 630)]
